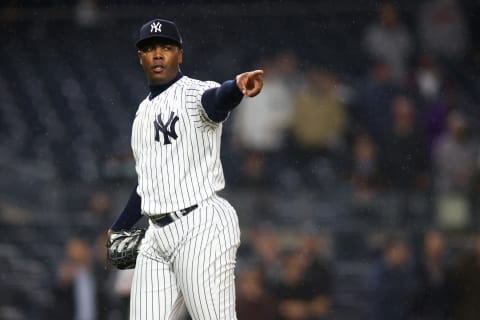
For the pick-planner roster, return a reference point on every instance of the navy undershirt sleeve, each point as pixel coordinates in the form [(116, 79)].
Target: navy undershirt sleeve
[(130, 214), (218, 102)]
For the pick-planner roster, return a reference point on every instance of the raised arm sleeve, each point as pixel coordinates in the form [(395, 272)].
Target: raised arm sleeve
[(130, 214), (218, 102)]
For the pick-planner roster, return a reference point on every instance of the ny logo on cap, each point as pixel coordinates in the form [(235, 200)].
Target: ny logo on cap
[(156, 27)]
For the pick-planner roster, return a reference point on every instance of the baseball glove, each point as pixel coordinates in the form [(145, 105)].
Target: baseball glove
[(123, 246)]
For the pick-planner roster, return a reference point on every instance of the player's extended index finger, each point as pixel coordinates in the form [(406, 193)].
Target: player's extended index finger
[(256, 73)]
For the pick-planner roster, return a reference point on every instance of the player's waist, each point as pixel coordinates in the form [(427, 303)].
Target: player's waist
[(158, 201), (169, 217)]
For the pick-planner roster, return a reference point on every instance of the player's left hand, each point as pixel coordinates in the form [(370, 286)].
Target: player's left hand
[(250, 83)]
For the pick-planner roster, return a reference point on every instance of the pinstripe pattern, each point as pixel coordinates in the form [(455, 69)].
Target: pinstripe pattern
[(189, 261), (177, 175)]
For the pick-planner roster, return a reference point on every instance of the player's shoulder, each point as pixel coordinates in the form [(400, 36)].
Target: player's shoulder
[(143, 105), (144, 101), (196, 84)]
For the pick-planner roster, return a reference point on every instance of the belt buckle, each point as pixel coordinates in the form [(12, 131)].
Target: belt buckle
[(157, 218)]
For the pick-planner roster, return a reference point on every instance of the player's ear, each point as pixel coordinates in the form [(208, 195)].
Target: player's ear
[(180, 56), (139, 54)]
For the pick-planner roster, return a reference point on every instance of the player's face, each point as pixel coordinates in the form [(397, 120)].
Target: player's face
[(160, 60)]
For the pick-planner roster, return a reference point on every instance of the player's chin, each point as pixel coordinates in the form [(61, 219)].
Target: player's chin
[(157, 79)]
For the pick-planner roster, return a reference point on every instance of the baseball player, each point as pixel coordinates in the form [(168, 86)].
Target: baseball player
[(188, 254)]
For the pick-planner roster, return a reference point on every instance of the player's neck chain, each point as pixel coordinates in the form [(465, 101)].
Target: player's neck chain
[(155, 90)]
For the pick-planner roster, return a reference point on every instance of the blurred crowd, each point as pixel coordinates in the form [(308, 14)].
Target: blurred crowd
[(291, 275), (409, 126)]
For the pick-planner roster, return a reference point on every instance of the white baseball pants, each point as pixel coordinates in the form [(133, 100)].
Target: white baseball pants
[(188, 262)]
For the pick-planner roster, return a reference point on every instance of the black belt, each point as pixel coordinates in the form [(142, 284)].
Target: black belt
[(167, 218)]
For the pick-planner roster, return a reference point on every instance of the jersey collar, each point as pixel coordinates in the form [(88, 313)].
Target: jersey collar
[(157, 89)]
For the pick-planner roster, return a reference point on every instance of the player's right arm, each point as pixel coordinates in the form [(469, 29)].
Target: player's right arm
[(219, 101), (130, 214)]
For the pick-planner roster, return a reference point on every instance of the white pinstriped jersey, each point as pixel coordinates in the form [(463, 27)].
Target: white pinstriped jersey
[(176, 148)]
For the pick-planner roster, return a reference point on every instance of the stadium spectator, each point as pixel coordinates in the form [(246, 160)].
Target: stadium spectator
[(103, 273), (121, 294), (303, 291), (392, 282), (427, 78), (454, 157), (433, 294), (428, 82), (404, 154), (389, 40), (75, 291), (443, 30), (263, 249), (319, 121), (370, 108), (467, 284), (319, 274), (365, 176), (260, 126), (254, 301), (86, 13)]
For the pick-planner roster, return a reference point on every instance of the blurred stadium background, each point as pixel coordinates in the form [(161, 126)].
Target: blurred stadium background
[(363, 144)]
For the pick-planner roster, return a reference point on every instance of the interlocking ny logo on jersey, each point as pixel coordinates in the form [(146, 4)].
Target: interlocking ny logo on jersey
[(168, 129), (156, 27)]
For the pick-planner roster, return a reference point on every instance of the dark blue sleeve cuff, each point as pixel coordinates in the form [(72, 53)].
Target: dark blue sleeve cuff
[(130, 214), (218, 102)]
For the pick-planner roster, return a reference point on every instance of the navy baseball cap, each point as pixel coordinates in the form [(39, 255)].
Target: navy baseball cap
[(161, 29)]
